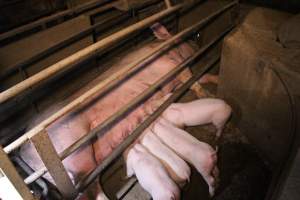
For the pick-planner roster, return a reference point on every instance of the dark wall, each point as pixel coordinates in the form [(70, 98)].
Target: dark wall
[(17, 12), (286, 5)]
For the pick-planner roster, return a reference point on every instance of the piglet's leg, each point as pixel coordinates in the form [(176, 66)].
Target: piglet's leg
[(196, 87)]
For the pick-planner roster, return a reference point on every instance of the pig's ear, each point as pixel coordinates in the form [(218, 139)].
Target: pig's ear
[(160, 31)]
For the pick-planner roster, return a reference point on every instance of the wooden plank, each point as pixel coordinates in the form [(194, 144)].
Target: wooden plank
[(50, 158), (11, 173)]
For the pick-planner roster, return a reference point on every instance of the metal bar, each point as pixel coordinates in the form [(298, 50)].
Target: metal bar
[(111, 81), (99, 130), (124, 190), (56, 47), (27, 169), (41, 22), (116, 19), (168, 3), (138, 131), (51, 160), (83, 54), (12, 174)]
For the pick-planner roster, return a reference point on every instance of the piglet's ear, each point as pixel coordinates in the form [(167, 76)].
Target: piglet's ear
[(160, 31)]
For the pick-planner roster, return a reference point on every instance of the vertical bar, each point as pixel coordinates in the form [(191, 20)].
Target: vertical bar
[(12, 174), (168, 3), (50, 158), (24, 76)]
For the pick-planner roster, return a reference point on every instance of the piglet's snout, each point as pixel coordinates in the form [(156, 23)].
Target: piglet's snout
[(151, 174)]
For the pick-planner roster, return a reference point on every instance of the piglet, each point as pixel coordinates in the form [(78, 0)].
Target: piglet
[(151, 174), (199, 112), (201, 155), (177, 168)]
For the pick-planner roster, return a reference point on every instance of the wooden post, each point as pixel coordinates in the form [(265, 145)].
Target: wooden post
[(11, 173), (51, 160)]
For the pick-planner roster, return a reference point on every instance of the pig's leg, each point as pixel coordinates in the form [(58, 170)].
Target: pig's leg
[(220, 118), (209, 78), (196, 87), (185, 146), (199, 112)]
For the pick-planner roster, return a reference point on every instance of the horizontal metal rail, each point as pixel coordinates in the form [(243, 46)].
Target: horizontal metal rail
[(67, 13), (124, 190), (77, 102), (97, 26), (60, 45), (83, 54), (118, 151), (110, 82), (138, 131), (110, 121)]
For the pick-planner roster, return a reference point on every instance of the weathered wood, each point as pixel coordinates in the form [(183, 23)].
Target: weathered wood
[(12, 174), (51, 160)]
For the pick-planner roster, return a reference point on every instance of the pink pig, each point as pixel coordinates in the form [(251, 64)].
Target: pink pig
[(151, 174), (201, 155), (177, 168), (199, 112)]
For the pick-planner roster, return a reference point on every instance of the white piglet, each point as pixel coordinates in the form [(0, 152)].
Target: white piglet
[(177, 168), (151, 174), (201, 155), (199, 112)]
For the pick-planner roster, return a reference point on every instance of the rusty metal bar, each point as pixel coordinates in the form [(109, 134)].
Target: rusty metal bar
[(51, 160), (83, 54), (71, 12), (111, 120), (112, 81), (12, 174), (138, 131)]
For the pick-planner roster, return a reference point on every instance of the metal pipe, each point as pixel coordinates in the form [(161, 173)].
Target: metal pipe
[(102, 25), (70, 12), (138, 131), (168, 3), (110, 82), (76, 103), (111, 120), (56, 47), (124, 190), (27, 169), (83, 54)]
